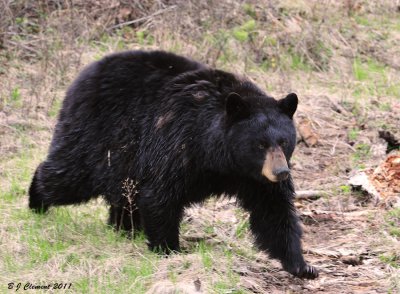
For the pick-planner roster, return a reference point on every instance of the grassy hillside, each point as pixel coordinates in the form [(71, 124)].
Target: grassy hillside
[(342, 58)]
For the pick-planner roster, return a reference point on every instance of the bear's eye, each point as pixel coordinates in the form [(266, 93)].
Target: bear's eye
[(284, 143), (261, 146)]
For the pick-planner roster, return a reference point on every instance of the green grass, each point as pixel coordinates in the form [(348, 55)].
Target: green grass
[(242, 33), (209, 230), (16, 190), (223, 287), (12, 99), (144, 37), (67, 242), (372, 79), (361, 154), (78, 238), (242, 228), (391, 255), (292, 60), (392, 219), (391, 259), (362, 20), (353, 134), (249, 9), (298, 62), (55, 107), (229, 279), (205, 252), (15, 97), (346, 189), (360, 70), (18, 175)]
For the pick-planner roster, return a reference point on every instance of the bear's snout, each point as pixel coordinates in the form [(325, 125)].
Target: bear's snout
[(281, 173), (275, 167)]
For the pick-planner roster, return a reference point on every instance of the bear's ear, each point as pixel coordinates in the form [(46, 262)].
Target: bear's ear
[(288, 105), (236, 107)]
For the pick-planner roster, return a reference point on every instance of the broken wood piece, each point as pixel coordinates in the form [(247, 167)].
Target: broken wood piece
[(352, 260), (360, 181), (310, 194), (307, 133), (383, 182)]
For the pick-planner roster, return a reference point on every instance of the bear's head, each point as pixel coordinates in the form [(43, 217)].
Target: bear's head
[(261, 134)]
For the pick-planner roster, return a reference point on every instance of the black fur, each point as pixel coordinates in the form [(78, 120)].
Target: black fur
[(154, 132)]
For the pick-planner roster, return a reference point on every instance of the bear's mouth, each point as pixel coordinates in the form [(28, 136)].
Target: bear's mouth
[(275, 167)]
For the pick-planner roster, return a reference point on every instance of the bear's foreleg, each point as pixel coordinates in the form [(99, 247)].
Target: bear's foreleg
[(277, 231)]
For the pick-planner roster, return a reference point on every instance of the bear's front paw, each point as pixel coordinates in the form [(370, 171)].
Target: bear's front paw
[(305, 272)]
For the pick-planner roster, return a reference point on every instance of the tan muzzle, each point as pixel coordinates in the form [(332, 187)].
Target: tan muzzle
[(275, 166)]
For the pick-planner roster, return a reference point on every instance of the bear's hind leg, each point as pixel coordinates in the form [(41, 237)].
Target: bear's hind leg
[(161, 220), (52, 188), (35, 199)]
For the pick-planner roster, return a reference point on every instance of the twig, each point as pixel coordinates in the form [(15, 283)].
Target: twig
[(20, 44), (337, 107), (338, 142), (120, 25), (355, 214), (334, 146)]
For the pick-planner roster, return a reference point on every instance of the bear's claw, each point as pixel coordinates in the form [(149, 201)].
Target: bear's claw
[(307, 272)]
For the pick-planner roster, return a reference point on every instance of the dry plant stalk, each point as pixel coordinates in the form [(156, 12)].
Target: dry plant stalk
[(130, 193)]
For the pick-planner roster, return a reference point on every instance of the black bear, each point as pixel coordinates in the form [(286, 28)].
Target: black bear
[(153, 133)]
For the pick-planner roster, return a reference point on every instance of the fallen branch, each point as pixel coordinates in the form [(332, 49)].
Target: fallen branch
[(331, 215), (310, 194), (120, 25)]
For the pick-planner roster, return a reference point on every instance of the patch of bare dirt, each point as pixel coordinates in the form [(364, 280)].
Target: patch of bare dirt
[(341, 244), (332, 154)]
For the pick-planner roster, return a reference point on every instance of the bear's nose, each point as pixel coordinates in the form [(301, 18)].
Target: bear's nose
[(282, 173)]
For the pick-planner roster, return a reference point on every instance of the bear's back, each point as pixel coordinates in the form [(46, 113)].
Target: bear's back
[(111, 97), (118, 78)]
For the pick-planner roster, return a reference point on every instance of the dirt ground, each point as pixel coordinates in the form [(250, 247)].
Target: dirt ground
[(343, 245)]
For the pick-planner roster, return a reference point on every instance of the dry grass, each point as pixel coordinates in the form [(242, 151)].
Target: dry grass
[(340, 57)]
